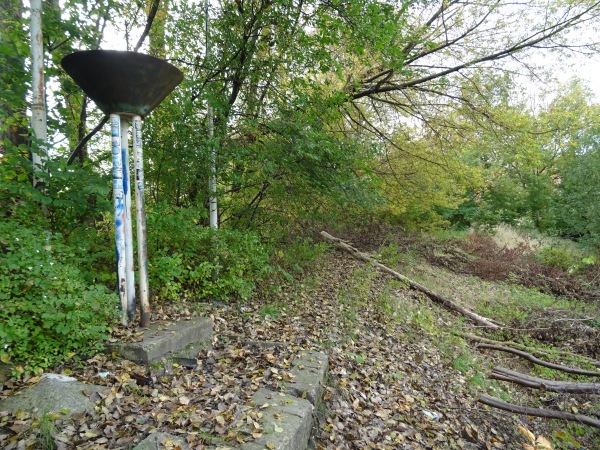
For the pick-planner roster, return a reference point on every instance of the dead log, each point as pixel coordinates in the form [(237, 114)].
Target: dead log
[(539, 412), (539, 362), (477, 338), (569, 387), (445, 302)]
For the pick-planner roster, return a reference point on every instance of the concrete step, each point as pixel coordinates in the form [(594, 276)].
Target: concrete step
[(164, 340)]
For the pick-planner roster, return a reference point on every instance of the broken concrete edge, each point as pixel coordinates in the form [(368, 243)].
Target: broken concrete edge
[(167, 363), (163, 339), (160, 440), (309, 372), (54, 393), (287, 417), (286, 421)]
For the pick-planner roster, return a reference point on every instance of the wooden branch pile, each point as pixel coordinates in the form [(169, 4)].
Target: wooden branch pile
[(501, 373), (498, 373)]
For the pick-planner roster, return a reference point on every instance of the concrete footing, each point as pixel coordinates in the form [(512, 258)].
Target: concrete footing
[(162, 340)]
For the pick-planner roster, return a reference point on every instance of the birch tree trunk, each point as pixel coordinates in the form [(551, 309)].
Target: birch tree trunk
[(38, 104)]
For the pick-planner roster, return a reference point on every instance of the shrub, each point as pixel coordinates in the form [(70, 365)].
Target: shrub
[(297, 256), (48, 310), (557, 257), (187, 259)]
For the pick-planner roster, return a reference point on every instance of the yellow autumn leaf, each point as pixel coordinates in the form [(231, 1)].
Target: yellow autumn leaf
[(543, 444), (528, 434)]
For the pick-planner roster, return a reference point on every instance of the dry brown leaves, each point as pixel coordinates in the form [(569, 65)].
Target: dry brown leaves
[(384, 389)]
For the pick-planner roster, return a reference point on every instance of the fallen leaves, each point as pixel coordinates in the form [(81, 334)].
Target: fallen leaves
[(389, 386)]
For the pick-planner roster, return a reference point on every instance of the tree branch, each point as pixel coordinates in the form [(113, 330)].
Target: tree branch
[(538, 412), (539, 362), (501, 373), (85, 140), (149, 21), (445, 302)]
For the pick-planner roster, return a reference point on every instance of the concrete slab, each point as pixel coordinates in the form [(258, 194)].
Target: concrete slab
[(54, 393), (286, 421), (162, 441), (162, 340), (309, 374)]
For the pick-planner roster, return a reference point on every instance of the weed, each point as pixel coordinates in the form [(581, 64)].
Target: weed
[(390, 255), (356, 293), (272, 310), (46, 429)]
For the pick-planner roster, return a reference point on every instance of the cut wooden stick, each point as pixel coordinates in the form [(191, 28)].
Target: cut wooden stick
[(501, 373), (445, 302), (539, 412), (477, 338), (539, 362)]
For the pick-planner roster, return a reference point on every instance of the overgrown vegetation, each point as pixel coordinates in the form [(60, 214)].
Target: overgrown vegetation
[(367, 116), (51, 310)]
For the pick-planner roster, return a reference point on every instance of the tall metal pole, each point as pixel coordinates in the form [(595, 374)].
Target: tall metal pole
[(138, 167), (129, 269), (38, 104), (119, 207), (212, 181)]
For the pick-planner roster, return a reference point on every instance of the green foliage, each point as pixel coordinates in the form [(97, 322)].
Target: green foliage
[(192, 261), (557, 257), (48, 309), (575, 207), (46, 429), (298, 256), (73, 197), (272, 310), (390, 255)]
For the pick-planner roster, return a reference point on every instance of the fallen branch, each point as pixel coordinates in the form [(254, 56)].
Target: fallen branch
[(476, 338), (500, 373), (538, 412), (445, 302), (539, 362)]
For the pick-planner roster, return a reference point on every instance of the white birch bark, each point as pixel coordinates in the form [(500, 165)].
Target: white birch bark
[(38, 104)]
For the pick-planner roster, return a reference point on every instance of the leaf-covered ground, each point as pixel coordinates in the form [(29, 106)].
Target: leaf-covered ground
[(397, 378)]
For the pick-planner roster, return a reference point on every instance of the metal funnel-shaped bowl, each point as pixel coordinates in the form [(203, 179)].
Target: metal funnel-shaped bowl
[(122, 82)]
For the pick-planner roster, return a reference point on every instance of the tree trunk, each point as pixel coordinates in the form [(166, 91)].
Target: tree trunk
[(476, 338), (445, 302), (539, 362), (569, 387), (38, 104), (538, 412)]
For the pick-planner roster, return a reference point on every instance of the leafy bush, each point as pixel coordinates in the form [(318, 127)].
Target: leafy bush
[(295, 257), (557, 257), (187, 259), (48, 310)]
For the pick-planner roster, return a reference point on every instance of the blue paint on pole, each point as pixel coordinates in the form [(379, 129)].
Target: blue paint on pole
[(115, 124), (125, 172)]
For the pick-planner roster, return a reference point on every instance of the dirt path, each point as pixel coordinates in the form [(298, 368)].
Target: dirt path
[(391, 383)]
